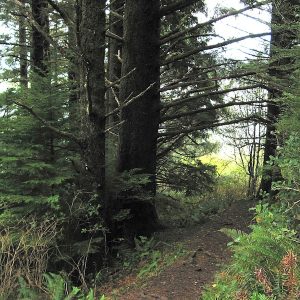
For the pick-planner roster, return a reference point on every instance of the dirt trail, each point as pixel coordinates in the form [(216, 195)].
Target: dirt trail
[(185, 279)]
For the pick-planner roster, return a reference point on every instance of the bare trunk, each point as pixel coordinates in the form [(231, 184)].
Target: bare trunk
[(40, 45), (138, 135), (92, 45)]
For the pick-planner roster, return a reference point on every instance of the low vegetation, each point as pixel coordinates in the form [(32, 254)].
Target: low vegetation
[(265, 262)]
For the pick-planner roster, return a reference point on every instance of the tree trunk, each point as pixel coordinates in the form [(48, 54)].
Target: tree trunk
[(92, 45), (138, 134), (40, 45), (283, 38), (23, 51), (114, 74), (114, 53), (73, 71)]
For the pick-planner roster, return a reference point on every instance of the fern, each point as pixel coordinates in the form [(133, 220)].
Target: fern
[(26, 293), (55, 285), (263, 250)]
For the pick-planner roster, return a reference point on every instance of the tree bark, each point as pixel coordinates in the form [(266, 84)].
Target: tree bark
[(283, 38), (92, 45), (23, 51), (114, 52), (138, 134), (73, 71), (40, 45)]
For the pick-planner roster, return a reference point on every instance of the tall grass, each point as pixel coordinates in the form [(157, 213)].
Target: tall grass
[(24, 253)]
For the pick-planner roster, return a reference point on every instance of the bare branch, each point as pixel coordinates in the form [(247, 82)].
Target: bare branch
[(116, 15), (130, 101), (114, 36), (188, 83), (112, 84), (14, 44)]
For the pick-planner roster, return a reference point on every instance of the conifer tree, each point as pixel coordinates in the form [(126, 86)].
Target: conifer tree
[(284, 23)]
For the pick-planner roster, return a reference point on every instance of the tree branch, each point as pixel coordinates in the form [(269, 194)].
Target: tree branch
[(213, 125), (209, 47), (188, 83), (14, 44), (215, 107), (46, 124), (32, 22), (64, 15), (114, 36), (166, 150), (169, 37), (180, 4), (128, 102), (112, 84), (184, 100)]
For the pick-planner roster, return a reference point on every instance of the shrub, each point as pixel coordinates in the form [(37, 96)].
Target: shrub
[(24, 253), (264, 262)]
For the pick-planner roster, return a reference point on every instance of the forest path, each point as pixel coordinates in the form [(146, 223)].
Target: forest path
[(208, 251)]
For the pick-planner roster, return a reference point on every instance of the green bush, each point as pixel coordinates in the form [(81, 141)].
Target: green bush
[(55, 287), (264, 262)]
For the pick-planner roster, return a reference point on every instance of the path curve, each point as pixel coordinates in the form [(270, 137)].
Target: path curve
[(185, 279)]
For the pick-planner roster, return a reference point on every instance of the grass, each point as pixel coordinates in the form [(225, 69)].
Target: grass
[(177, 209), (150, 258)]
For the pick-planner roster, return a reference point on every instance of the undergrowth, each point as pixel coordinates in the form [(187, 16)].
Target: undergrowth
[(264, 264), (149, 258), (177, 209)]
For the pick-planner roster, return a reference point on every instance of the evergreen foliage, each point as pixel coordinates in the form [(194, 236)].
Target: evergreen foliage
[(259, 269), (35, 163), (56, 118)]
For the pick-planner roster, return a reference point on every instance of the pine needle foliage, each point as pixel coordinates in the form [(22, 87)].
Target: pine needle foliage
[(33, 160)]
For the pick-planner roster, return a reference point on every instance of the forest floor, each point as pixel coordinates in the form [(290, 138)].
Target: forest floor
[(206, 252)]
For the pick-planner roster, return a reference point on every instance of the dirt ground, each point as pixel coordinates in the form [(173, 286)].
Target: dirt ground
[(207, 248)]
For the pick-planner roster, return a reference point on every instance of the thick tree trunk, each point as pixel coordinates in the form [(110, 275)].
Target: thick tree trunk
[(92, 45), (283, 38), (40, 55), (138, 135), (40, 45)]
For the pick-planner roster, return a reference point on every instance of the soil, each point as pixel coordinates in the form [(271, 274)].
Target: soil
[(208, 251)]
